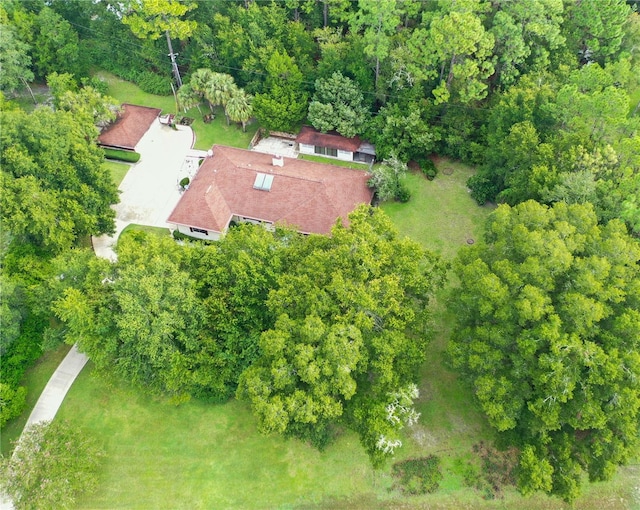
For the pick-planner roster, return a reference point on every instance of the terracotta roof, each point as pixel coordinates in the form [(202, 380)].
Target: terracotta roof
[(129, 127), (333, 140), (306, 195)]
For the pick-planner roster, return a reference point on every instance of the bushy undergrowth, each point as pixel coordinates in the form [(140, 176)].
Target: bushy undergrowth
[(417, 476)]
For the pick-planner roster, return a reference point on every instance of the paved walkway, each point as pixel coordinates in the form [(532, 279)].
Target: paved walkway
[(56, 389)]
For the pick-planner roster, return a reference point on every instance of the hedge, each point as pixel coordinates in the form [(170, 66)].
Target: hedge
[(122, 155)]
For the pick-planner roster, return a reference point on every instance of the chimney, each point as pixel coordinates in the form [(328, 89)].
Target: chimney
[(277, 161)]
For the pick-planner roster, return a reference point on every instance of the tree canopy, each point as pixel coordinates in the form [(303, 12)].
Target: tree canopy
[(54, 186), (547, 334), (338, 105), (350, 333)]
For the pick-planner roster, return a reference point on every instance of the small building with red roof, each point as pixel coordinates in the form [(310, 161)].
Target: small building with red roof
[(334, 145), (245, 186), (129, 128)]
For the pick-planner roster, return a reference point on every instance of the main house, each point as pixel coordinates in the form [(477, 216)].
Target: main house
[(237, 185), (333, 145)]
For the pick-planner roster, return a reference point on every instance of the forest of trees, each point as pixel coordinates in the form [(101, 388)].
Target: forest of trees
[(541, 96)]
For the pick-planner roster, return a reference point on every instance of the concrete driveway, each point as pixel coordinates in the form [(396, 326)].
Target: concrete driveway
[(150, 190)]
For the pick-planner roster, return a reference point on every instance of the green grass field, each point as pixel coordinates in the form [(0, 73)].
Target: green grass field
[(216, 132), (117, 170), (134, 227), (35, 379)]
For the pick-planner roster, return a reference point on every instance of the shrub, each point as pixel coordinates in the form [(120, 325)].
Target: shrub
[(12, 402), (428, 168), (122, 155), (184, 182), (403, 194), (418, 476), (153, 84)]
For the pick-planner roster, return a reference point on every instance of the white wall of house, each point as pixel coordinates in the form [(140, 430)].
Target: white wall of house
[(189, 231), (345, 155), (306, 149)]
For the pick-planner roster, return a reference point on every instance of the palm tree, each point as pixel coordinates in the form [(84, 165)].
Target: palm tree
[(199, 83), (239, 107), (219, 89), (188, 97)]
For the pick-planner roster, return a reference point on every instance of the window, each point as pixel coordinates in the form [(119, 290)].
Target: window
[(199, 231), (326, 151), (263, 182)]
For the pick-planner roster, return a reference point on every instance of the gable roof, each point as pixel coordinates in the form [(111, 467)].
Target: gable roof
[(332, 140), (129, 128), (306, 195)]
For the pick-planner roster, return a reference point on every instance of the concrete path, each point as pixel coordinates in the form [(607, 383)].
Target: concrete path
[(56, 389)]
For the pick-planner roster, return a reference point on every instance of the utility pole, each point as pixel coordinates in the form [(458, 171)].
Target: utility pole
[(174, 65)]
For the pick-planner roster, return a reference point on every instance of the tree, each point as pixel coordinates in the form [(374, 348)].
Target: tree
[(456, 50), (547, 334), (283, 103), (387, 180), (55, 188), (338, 105), (53, 41), (596, 28), (377, 20), (239, 107), (404, 129), (51, 466), (90, 104), (526, 32), (15, 61), (350, 333), (139, 318)]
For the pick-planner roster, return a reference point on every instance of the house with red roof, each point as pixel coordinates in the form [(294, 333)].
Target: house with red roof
[(129, 127), (334, 145), (237, 185)]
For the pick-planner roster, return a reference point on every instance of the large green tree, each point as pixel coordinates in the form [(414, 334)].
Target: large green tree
[(283, 103), (548, 336), (338, 105), (55, 188), (350, 333), (15, 61)]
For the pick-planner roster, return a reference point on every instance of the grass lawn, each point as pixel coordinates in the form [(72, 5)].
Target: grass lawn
[(201, 455), (134, 227), (334, 162), (35, 379), (216, 132), (117, 170), (440, 214)]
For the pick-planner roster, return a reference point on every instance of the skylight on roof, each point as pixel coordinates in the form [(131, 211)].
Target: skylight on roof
[(263, 182)]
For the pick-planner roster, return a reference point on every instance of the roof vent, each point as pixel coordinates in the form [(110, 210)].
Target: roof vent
[(263, 182), (277, 161)]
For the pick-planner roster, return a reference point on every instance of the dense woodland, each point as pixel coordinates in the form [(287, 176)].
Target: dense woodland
[(541, 96)]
